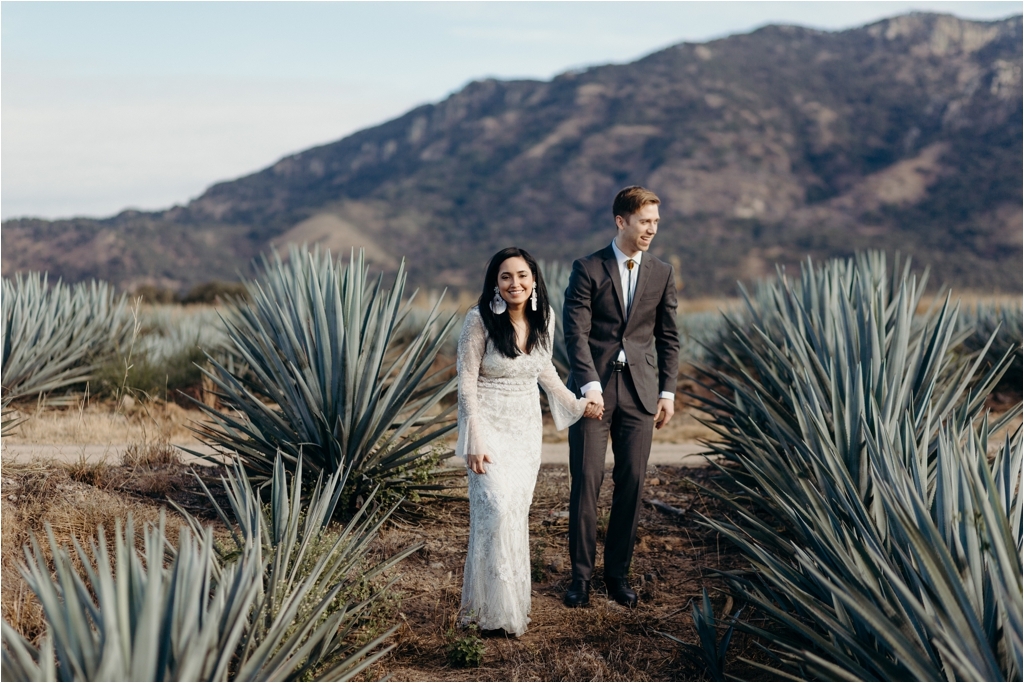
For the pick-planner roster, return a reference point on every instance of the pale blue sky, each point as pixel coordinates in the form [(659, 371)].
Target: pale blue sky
[(105, 106)]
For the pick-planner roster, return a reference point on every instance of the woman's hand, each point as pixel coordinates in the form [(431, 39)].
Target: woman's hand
[(476, 462), (594, 409)]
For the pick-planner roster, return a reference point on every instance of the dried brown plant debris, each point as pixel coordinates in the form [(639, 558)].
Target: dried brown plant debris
[(602, 642), (75, 499)]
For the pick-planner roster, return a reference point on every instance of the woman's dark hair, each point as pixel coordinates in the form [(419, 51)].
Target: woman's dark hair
[(499, 327)]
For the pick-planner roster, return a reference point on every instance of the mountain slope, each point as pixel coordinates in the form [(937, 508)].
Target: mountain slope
[(770, 146)]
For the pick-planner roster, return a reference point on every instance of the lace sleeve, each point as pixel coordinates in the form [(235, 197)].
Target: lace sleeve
[(566, 409), (472, 344)]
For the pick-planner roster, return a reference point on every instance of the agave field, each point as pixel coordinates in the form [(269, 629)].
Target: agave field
[(862, 518)]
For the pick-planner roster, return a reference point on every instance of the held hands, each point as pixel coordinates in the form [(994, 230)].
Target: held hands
[(476, 462), (595, 405), (666, 409)]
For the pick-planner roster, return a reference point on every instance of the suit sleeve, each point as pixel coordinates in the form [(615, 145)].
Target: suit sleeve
[(666, 337), (577, 315)]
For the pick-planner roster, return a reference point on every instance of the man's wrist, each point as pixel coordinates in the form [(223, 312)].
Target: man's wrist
[(667, 394), (591, 386)]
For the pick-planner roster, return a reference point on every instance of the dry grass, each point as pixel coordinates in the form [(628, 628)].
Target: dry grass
[(101, 422), (75, 499)]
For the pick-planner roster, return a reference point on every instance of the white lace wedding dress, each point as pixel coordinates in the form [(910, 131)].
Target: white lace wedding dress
[(499, 415)]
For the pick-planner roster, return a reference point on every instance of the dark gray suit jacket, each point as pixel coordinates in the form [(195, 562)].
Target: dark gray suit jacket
[(594, 318)]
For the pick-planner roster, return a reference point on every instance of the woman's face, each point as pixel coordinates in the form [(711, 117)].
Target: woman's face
[(515, 281)]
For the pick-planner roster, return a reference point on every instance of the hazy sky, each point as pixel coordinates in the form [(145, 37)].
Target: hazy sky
[(111, 105)]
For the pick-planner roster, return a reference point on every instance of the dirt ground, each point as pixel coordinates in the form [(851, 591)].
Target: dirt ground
[(673, 560)]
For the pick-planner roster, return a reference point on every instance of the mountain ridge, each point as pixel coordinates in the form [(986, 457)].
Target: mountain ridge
[(769, 146)]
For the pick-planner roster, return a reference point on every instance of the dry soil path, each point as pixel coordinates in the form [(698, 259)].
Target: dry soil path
[(682, 454)]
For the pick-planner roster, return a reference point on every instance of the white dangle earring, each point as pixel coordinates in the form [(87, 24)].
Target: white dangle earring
[(498, 304), (533, 298)]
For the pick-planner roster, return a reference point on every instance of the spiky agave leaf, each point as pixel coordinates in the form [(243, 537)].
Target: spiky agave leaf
[(848, 429), (9, 418), (1004, 325), (325, 375), (55, 337)]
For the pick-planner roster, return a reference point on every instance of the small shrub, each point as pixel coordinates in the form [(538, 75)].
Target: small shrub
[(152, 377), (157, 454), (466, 651), (151, 294), (214, 292), (538, 569), (95, 474)]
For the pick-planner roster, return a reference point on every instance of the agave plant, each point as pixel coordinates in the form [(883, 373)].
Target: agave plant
[(556, 278), (711, 651), (172, 331), (327, 378), (698, 332), (420, 318), (295, 530), (280, 606), (885, 544), (1004, 325), (55, 337)]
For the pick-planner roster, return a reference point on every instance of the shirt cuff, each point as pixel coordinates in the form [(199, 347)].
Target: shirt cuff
[(591, 386), (667, 394)]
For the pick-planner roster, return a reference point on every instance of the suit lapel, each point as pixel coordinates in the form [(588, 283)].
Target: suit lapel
[(641, 281), (612, 267)]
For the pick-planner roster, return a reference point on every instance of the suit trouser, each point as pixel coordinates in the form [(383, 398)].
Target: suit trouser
[(631, 429)]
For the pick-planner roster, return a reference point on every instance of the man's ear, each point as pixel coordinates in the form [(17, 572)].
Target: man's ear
[(620, 222)]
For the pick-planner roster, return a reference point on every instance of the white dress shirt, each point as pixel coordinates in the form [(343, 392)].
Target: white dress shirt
[(628, 280)]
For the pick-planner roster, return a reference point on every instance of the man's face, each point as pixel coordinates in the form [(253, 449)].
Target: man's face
[(637, 230)]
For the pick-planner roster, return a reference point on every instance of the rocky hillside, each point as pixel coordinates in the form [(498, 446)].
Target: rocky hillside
[(770, 146)]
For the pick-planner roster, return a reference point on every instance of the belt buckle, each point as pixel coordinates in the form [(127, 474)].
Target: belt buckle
[(618, 366)]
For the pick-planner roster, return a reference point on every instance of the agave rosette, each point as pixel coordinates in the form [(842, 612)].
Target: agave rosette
[(56, 337), (326, 376), (885, 542)]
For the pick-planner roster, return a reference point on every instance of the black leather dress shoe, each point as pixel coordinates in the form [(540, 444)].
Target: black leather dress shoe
[(620, 592), (578, 594)]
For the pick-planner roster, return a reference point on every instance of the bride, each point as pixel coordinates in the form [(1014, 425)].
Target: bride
[(504, 351)]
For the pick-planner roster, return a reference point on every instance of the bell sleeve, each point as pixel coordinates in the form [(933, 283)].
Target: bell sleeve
[(566, 408), (472, 344)]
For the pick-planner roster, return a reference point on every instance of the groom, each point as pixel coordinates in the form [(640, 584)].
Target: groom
[(620, 332)]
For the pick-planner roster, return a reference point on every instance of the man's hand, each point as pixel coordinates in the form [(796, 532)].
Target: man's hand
[(476, 462), (666, 409), (593, 410)]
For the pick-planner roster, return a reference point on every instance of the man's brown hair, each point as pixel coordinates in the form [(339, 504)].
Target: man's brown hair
[(631, 199)]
